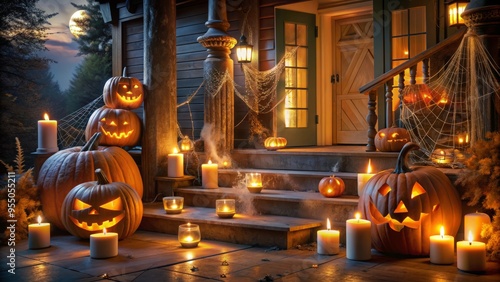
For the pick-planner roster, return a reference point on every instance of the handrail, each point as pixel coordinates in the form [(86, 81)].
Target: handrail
[(380, 80)]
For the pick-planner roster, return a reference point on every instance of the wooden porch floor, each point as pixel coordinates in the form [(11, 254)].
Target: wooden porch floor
[(149, 256)]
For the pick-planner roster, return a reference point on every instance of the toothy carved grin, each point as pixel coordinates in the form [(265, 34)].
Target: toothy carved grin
[(95, 226), (116, 135), (395, 224), (129, 99)]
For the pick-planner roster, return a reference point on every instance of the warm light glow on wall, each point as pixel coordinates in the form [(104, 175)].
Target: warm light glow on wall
[(455, 9)]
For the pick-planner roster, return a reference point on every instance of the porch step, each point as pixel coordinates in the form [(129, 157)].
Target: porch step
[(328, 158), (292, 180), (276, 202), (263, 230)]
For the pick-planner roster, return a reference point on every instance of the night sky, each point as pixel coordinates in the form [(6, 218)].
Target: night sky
[(62, 48)]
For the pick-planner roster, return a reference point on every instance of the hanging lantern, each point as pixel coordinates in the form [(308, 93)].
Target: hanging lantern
[(186, 145), (244, 50), (455, 9)]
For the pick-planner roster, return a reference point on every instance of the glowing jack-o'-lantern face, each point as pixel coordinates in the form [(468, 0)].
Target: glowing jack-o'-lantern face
[(121, 92), (406, 206), (391, 139), (118, 127), (92, 206)]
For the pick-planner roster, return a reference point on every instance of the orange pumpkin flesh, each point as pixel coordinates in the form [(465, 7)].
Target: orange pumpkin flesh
[(331, 186), (70, 167), (92, 206), (406, 206)]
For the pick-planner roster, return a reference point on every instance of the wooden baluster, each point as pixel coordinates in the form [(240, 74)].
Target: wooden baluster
[(413, 74), (371, 118), (401, 88), (425, 70), (388, 104)]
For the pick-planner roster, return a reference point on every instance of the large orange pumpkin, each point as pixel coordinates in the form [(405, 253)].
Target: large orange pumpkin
[(407, 205), (70, 167), (118, 127), (92, 206), (122, 92)]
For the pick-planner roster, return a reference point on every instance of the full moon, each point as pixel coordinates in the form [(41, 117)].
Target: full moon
[(75, 23)]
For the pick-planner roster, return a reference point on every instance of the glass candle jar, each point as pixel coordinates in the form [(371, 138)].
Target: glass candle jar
[(225, 208), (254, 182), (189, 235), (173, 205)]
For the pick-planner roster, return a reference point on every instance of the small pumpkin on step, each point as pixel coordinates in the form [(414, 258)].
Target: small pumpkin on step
[(331, 186)]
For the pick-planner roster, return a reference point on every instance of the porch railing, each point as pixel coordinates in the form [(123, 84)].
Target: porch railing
[(387, 79)]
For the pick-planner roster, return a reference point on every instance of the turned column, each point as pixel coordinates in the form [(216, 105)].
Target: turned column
[(219, 98), (160, 100)]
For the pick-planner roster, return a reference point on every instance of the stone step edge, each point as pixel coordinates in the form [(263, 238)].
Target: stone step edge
[(200, 215), (298, 173), (269, 195)]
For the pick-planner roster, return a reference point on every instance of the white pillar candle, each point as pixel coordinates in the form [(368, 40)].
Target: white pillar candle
[(364, 177), (39, 235), (104, 245), (175, 164), (358, 239), (328, 241), (471, 255), (474, 222), (209, 175), (47, 135), (442, 248)]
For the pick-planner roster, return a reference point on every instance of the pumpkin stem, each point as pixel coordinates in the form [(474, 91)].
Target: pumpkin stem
[(101, 177), (93, 142), (124, 73), (401, 166)]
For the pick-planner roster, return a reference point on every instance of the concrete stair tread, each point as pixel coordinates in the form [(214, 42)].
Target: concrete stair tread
[(270, 195), (343, 175), (200, 215)]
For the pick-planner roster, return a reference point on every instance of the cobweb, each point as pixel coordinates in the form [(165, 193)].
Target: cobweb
[(445, 116), (71, 128)]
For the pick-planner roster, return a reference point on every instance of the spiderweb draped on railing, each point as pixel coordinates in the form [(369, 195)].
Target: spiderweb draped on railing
[(445, 116)]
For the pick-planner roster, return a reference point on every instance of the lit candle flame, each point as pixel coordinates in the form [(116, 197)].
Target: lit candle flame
[(188, 239), (209, 161), (328, 225), (39, 219), (357, 216), (369, 169), (175, 151), (470, 237), (441, 231), (46, 116), (104, 231), (225, 209)]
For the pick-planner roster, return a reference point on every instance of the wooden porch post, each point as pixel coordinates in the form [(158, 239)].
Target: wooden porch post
[(219, 98), (160, 81), (371, 119)]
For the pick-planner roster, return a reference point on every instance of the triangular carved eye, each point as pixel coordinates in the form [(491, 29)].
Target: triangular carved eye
[(114, 205), (384, 190), (79, 205), (417, 190), (401, 208)]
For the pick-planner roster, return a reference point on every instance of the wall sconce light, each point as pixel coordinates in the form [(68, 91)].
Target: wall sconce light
[(455, 9), (244, 50)]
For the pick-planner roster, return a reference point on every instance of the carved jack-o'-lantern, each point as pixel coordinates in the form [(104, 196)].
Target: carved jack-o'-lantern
[(122, 92), (391, 139), (331, 186), (92, 206), (406, 206), (118, 127)]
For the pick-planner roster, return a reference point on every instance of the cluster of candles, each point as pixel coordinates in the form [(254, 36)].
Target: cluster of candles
[(471, 255)]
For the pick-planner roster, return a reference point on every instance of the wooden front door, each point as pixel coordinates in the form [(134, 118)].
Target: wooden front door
[(296, 112), (353, 67)]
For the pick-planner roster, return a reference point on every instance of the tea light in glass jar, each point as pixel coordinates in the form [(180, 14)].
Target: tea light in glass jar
[(225, 208), (189, 235), (254, 182), (173, 205)]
